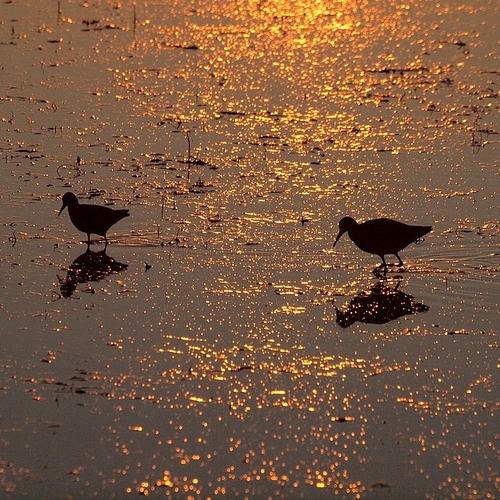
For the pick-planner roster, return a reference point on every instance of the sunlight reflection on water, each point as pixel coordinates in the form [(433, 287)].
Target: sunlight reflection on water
[(218, 345)]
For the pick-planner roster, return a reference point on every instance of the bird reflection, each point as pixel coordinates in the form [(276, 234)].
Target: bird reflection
[(89, 266), (377, 305)]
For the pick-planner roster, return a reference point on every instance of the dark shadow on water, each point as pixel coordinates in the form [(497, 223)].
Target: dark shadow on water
[(89, 266), (378, 305)]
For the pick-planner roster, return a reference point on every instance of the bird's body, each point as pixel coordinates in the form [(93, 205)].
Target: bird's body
[(91, 219), (381, 236)]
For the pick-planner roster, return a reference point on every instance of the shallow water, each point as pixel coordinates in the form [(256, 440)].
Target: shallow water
[(218, 346)]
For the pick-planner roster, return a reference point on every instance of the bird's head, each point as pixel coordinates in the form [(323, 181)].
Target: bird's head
[(345, 224), (68, 199)]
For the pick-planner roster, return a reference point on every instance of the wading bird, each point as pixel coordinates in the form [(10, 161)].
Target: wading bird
[(91, 218), (381, 236)]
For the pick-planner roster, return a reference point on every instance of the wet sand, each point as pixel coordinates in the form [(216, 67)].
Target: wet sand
[(219, 346)]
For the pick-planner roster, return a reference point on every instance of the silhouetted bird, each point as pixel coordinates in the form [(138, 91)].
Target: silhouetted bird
[(91, 218), (381, 236)]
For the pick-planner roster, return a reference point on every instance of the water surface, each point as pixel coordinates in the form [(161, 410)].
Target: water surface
[(217, 347)]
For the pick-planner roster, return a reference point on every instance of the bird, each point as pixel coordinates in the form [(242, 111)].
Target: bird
[(90, 219), (381, 236)]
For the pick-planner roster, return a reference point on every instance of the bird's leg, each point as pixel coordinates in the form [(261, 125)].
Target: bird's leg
[(399, 258), (88, 239), (382, 266)]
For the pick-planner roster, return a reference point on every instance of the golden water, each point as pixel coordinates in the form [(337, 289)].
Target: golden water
[(203, 354)]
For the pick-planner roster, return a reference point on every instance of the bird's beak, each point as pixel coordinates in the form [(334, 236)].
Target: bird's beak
[(60, 211), (338, 237)]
